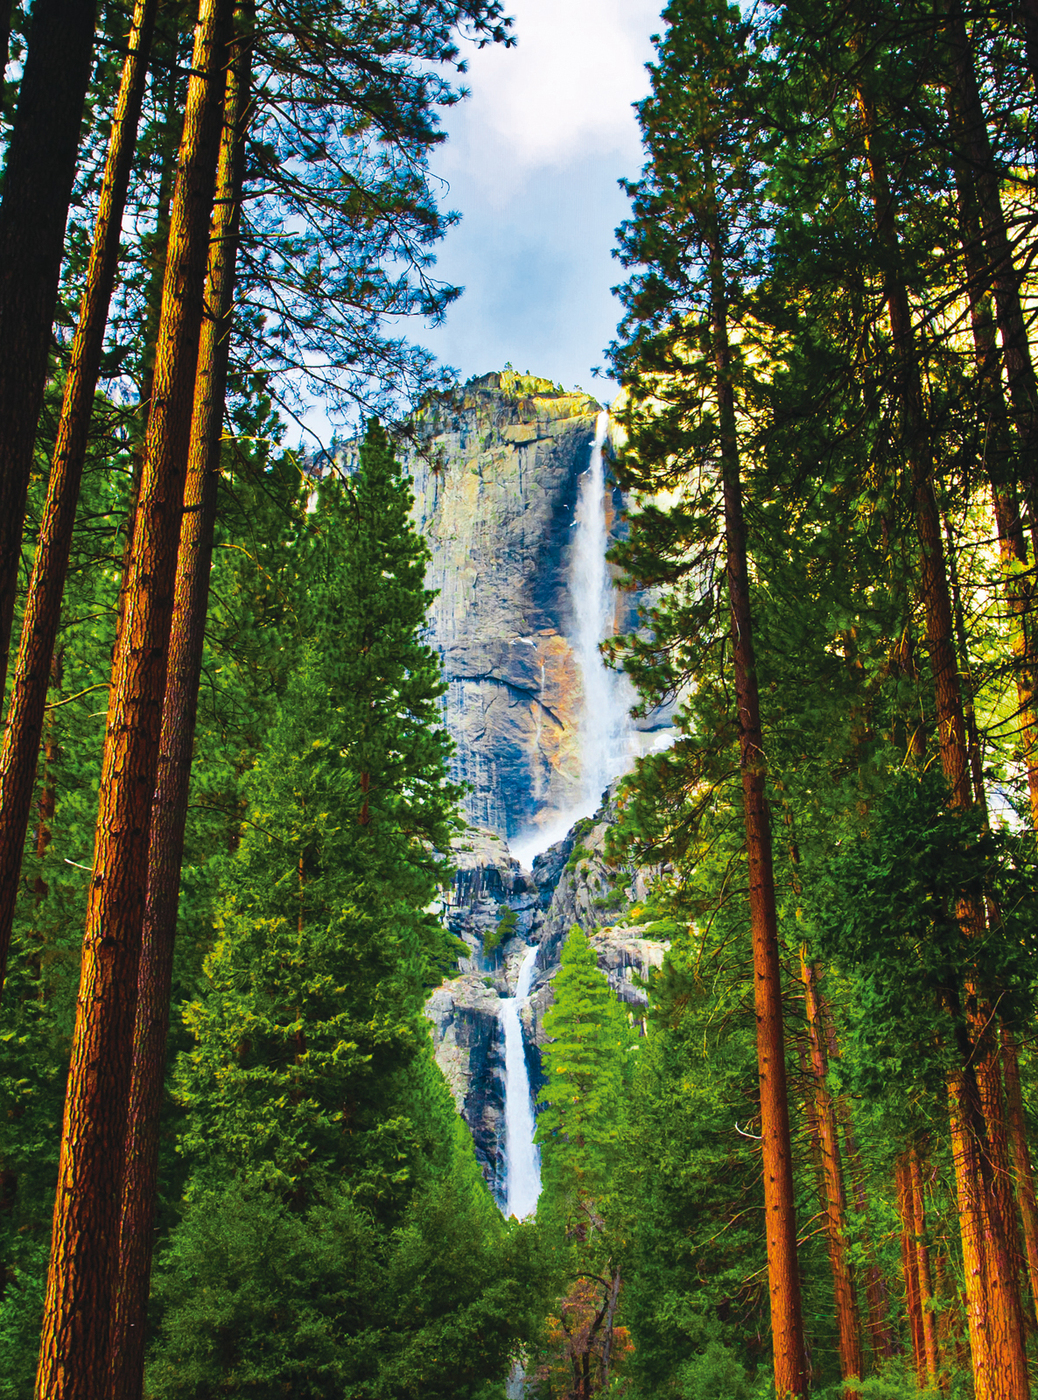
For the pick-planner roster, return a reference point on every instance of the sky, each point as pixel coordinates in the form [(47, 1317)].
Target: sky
[(532, 164)]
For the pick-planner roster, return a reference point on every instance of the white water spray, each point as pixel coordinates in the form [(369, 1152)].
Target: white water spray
[(524, 1164), (605, 726)]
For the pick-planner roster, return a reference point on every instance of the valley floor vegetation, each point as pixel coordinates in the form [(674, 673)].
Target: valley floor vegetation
[(229, 1165)]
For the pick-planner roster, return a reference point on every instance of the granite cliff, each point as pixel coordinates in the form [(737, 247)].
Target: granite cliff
[(495, 494)]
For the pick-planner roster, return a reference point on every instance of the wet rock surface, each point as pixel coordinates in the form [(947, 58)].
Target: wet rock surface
[(571, 884)]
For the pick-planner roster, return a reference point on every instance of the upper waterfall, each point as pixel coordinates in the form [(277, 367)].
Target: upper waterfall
[(606, 734)]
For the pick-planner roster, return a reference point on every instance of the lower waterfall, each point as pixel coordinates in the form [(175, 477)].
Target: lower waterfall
[(523, 1182)]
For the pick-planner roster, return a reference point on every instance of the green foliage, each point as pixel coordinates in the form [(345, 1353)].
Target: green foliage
[(337, 1235), (259, 1299), (507, 919), (887, 907), (578, 1127), (579, 853)]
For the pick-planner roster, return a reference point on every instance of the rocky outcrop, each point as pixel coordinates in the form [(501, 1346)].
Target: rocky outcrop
[(571, 883)]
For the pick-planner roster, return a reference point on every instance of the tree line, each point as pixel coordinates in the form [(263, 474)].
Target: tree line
[(830, 405), (206, 217)]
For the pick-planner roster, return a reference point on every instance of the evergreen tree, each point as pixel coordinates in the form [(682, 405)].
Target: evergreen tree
[(579, 1125), (323, 952), (587, 1064)]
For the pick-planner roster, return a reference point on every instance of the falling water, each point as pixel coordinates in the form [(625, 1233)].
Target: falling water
[(605, 727), (524, 1167)]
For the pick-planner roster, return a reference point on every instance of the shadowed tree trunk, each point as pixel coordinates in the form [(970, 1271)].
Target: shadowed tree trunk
[(169, 810), (998, 461), (922, 1268), (37, 184), (74, 1351), (1000, 271), (24, 722), (910, 1268)]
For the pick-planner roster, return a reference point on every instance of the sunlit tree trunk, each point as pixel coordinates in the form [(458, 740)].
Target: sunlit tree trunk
[(779, 1208), (24, 721), (847, 1320), (74, 1353), (169, 813), (1002, 274), (1000, 1366), (922, 1268), (910, 1267), (1018, 583), (1021, 1160)]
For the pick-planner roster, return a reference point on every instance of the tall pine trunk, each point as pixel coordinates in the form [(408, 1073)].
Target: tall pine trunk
[(924, 1274), (910, 1267), (847, 1316), (1021, 1160), (37, 185), (998, 458), (74, 1351), (996, 1320), (787, 1328), (1004, 279), (169, 810), (24, 721)]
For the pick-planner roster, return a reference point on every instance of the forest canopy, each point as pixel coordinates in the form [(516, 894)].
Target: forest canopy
[(229, 1162)]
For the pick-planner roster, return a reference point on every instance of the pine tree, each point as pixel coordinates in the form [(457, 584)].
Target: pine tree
[(579, 1125), (323, 951)]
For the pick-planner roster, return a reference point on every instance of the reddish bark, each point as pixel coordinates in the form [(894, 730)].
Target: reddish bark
[(1021, 1160), (847, 1318), (922, 1268), (1000, 1364), (74, 1353), (787, 1327), (169, 810), (910, 1268), (21, 741)]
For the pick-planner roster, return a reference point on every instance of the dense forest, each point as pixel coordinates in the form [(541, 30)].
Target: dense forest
[(229, 1164)]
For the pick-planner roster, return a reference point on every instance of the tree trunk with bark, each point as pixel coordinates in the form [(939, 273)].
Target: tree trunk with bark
[(847, 1316), (1000, 1367), (1001, 273), (1018, 583), (787, 1327), (37, 185), (910, 1268), (74, 1352), (922, 1269), (1021, 1156), (24, 721), (169, 809)]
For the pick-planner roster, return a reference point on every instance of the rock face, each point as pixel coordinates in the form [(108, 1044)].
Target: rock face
[(495, 495), (470, 1052), (571, 883)]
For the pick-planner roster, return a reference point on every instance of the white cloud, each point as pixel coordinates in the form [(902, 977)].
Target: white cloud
[(562, 93)]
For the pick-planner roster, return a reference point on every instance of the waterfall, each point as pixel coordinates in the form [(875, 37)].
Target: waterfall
[(524, 1167), (608, 740), (605, 725)]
